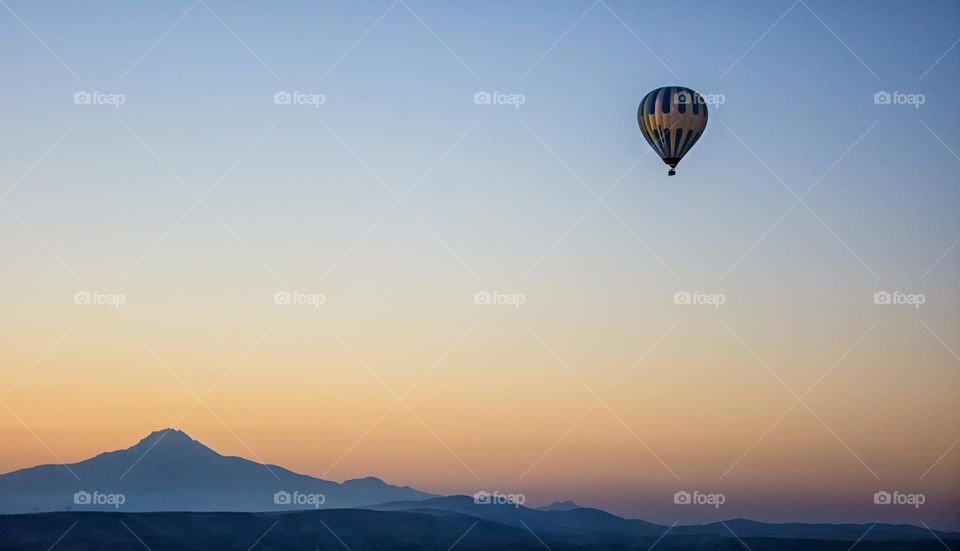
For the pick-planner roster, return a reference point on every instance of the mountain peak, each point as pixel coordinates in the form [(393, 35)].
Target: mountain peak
[(366, 479), (167, 432), (165, 442), (169, 435), (560, 506)]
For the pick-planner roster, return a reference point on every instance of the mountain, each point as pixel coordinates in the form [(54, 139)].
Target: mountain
[(367, 530), (169, 471), (560, 506)]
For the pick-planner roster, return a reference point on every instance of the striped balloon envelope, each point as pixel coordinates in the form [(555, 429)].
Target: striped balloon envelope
[(672, 119)]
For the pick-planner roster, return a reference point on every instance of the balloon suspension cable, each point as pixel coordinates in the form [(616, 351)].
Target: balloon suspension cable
[(672, 172)]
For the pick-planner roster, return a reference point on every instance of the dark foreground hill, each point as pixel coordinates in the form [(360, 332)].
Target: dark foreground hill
[(596, 524), (368, 530)]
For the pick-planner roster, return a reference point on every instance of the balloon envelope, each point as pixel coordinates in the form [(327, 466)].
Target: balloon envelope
[(672, 119)]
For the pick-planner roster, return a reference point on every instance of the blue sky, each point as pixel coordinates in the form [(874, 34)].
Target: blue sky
[(798, 97)]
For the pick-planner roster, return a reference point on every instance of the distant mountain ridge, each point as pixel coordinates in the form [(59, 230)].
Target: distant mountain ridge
[(568, 520), (170, 471)]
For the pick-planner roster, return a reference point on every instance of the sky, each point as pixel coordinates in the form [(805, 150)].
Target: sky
[(151, 164)]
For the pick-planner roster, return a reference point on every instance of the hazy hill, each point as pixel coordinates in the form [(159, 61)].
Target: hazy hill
[(169, 471), (560, 506)]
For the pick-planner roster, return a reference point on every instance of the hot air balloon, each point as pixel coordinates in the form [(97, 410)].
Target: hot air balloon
[(672, 119)]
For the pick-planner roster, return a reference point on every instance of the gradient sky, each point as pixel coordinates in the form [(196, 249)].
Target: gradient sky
[(504, 199)]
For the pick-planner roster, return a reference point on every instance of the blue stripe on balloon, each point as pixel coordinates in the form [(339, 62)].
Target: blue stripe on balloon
[(658, 133), (686, 143)]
